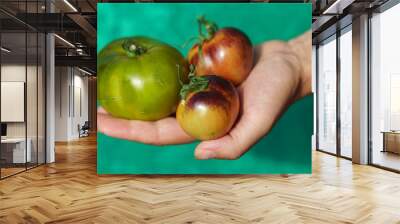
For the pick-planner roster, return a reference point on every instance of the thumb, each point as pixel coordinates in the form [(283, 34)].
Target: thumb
[(222, 148), (233, 145)]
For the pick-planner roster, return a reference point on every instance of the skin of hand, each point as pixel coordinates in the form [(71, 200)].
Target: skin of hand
[(281, 75)]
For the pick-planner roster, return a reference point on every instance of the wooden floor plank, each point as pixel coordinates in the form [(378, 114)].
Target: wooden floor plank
[(70, 191)]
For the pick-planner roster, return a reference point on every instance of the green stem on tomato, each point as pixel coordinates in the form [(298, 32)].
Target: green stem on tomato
[(210, 27), (179, 75), (196, 83), (132, 49)]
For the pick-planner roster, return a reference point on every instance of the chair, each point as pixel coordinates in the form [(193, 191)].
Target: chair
[(84, 130)]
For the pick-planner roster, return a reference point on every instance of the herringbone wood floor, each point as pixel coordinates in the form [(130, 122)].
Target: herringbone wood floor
[(69, 191)]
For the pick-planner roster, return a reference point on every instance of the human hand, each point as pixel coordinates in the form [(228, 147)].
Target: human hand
[(162, 132), (281, 75)]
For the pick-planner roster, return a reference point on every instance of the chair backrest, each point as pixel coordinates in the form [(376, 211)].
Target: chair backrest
[(86, 125)]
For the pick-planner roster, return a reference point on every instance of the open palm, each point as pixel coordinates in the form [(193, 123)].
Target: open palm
[(280, 76)]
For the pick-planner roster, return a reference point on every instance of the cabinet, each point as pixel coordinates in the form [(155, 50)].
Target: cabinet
[(391, 141)]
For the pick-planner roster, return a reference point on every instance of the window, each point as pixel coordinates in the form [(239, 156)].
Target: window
[(385, 89), (327, 95), (314, 79), (346, 92), (22, 77)]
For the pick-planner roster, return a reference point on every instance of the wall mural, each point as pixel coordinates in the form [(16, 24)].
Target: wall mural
[(206, 88)]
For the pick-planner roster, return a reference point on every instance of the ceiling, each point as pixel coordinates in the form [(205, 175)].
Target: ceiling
[(76, 22), (332, 15), (16, 42)]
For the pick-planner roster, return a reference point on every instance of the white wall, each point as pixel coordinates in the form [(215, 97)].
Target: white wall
[(80, 102), (33, 127), (12, 73), (71, 94), (9, 73), (62, 81), (13, 101)]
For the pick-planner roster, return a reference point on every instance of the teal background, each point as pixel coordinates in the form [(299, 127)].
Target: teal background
[(286, 149)]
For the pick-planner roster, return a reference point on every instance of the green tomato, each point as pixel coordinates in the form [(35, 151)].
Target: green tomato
[(139, 78)]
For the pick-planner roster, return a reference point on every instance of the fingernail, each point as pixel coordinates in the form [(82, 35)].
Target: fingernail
[(206, 154)]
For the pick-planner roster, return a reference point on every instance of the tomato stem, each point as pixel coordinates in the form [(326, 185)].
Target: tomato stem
[(179, 75), (198, 40), (210, 27), (133, 49), (196, 83)]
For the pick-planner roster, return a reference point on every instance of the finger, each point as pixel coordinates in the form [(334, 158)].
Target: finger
[(101, 110), (233, 145), (217, 149), (162, 132)]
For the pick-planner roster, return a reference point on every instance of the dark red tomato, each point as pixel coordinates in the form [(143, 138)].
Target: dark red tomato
[(226, 52), (209, 107)]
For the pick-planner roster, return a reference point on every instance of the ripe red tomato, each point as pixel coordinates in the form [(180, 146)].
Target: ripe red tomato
[(226, 52), (209, 107)]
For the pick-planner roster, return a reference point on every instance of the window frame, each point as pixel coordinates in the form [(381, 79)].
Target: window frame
[(337, 34)]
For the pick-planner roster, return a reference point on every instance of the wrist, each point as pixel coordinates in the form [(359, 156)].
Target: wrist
[(283, 60), (301, 48)]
